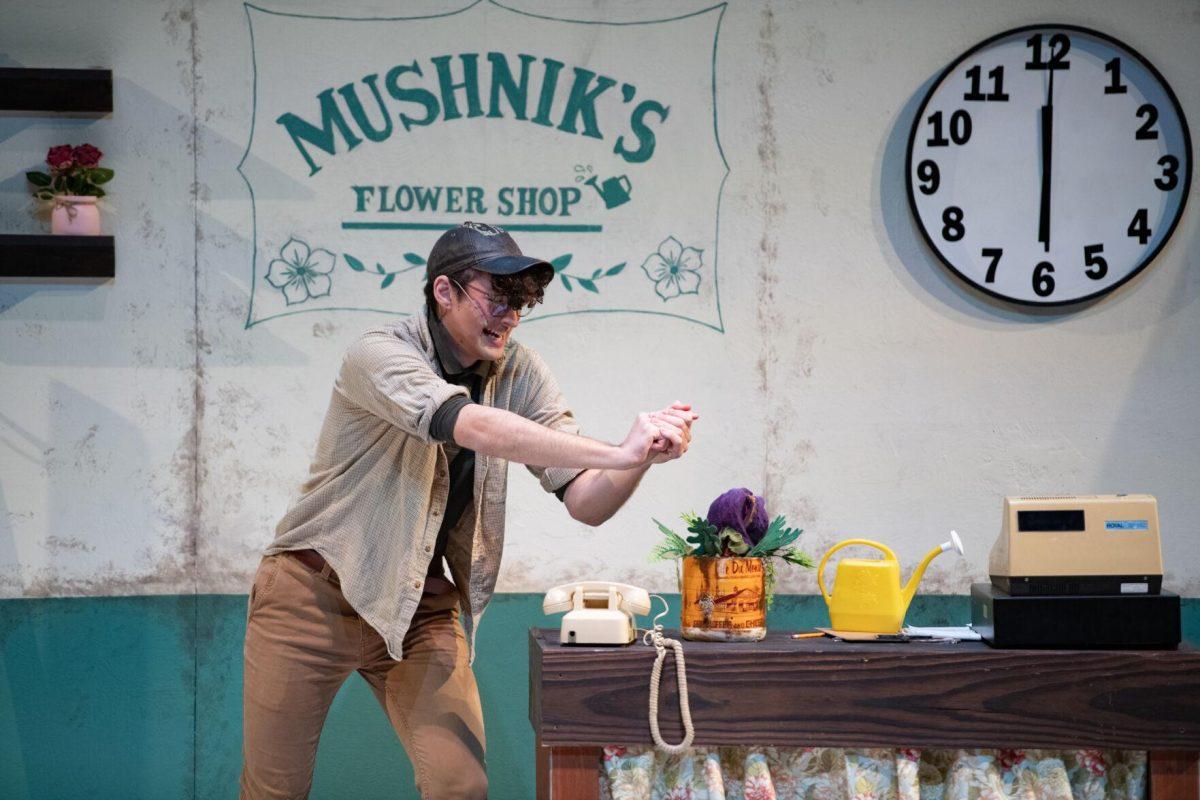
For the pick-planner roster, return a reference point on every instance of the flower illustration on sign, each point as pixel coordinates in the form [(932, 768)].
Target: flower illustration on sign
[(301, 273), (675, 269)]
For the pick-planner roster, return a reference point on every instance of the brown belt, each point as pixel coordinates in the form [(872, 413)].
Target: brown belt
[(314, 561), (434, 584)]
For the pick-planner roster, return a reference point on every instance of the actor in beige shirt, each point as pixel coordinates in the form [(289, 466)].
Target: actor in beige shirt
[(411, 465)]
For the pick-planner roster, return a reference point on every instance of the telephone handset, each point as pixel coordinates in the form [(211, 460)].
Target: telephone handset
[(600, 612), (564, 598), (597, 612)]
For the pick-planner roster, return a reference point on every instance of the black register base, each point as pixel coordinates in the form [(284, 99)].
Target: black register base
[(818, 692)]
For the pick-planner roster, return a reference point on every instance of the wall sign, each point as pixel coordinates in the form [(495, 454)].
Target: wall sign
[(594, 143), (1048, 165)]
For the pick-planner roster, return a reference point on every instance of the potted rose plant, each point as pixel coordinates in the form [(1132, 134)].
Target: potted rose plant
[(727, 578), (73, 185)]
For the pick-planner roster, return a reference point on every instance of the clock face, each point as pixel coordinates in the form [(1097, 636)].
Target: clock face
[(1048, 165)]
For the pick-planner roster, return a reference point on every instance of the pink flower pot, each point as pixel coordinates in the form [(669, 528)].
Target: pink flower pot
[(75, 215)]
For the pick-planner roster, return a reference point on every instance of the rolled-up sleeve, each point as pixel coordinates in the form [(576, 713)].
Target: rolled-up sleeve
[(391, 379), (446, 417), (545, 405)]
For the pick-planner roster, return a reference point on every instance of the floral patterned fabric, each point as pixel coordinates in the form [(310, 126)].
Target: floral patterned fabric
[(826, 773)]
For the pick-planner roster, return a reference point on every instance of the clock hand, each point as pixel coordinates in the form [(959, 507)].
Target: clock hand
[(1047, 139)]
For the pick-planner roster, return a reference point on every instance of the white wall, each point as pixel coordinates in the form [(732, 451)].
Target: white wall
[(149, 440)]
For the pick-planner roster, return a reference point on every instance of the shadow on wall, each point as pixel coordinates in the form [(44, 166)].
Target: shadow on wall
[(93, 546), (18, 209), (1145, 439), (920, 271), (28, 449), (146, 269), (1155, 431), (1145, 435)]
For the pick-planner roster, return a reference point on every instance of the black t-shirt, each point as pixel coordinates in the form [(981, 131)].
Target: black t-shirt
[(441, 428), (462, 469)]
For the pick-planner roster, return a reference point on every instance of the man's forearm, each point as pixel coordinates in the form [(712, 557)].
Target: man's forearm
[(596, 494), (502, 434)]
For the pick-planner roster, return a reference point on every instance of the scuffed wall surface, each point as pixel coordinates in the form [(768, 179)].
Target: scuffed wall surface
[(97, 407), (923, 404), (858, 384)]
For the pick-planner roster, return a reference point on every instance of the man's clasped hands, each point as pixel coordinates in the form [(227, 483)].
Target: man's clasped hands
[(659, 436)]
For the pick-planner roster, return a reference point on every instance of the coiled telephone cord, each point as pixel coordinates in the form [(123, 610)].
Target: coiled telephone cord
[(661, 643)]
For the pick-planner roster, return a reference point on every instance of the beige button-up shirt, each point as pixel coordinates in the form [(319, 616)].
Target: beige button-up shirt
[(377, 487)]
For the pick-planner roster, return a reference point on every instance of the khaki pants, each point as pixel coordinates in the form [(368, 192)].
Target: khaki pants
[(303, 640)]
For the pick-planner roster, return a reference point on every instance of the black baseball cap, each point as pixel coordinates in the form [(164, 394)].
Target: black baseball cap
[(476, 245)]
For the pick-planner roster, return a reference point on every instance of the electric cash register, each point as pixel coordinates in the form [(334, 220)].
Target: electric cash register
[(1082, 571)]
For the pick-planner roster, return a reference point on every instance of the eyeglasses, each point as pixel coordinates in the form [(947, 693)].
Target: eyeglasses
[(498, 310)]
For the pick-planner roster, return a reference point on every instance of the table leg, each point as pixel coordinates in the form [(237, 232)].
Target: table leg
[(1174, 775), (568, 773)]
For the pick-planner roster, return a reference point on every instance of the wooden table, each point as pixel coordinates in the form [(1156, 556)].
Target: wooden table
[(823, 693)]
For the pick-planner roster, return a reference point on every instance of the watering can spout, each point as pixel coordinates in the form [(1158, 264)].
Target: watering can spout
[(910, 589)]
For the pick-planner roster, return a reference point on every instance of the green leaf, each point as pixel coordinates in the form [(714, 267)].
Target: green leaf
[(561, 262), (736, 543), (778, 536), (38, 178), (379, 268), (100, 175), (585, 283), (97, 192), (664, 528), (615, 270), (673, 547), (354, 263), (705, 536), (795, 556), (668, 550), (565, 282), (387, 281), (413, 258), (596, 274)]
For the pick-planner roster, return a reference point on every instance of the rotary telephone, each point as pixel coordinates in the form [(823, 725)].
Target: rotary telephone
[(597, 612), (602, 613)]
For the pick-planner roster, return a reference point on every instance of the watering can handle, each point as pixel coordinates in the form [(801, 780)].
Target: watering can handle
[(839, 546)]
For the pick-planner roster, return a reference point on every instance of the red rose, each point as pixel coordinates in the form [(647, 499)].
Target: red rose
[(87, 156), (60, 157)]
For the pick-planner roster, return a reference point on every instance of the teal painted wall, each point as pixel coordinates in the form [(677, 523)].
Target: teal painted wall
[(140, 697)]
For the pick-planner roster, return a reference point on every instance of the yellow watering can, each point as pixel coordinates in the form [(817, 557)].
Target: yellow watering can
[(867, 594)]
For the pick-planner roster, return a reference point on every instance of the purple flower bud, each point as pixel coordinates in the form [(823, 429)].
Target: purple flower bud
[(741, 510)]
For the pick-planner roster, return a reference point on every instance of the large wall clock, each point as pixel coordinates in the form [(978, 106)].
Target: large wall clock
[(1048, 164)]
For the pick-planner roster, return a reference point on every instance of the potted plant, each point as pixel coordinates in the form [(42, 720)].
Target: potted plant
[(727, 576), (73, 185)]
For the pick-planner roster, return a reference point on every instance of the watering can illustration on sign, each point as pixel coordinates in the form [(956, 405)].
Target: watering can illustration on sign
[(614, 191), (867, 595)]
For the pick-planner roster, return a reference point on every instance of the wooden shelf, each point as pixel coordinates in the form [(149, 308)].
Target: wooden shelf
[(57, 256), (80, 91)]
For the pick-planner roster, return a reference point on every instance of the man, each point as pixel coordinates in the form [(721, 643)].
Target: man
[(411, 467)]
